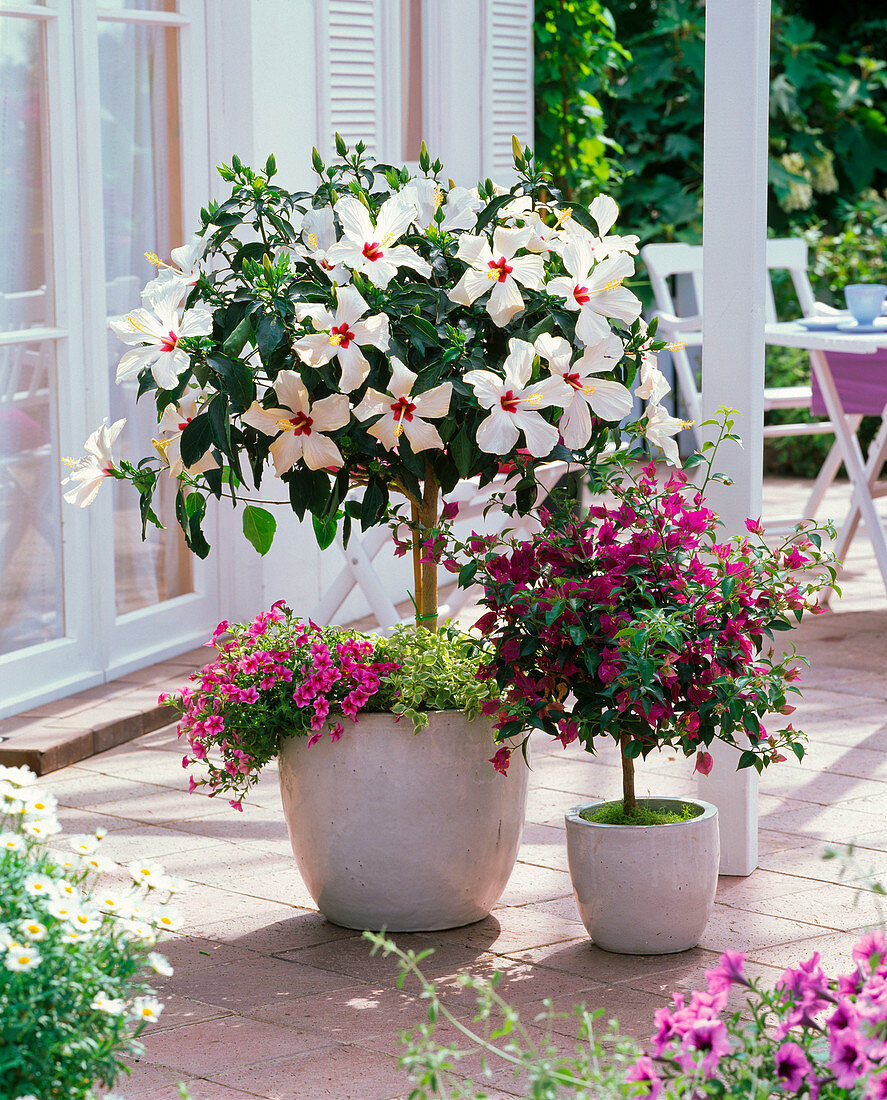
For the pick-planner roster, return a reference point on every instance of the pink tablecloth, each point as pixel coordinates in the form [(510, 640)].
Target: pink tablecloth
[(861, 382)]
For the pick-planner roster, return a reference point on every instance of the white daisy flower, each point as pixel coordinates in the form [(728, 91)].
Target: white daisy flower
[(37, 805), (96, 863), (146, 873), (65, 889), (146, 1008), (160, 964), (139, 930), (133, 908), (85, 845), (62, 908), (73, 937), (108, 900), (104, 1002), (23, 958), (11, 842), (41, 827), (39, 886), (168, 919), (84, 921), (20, 775), (33, 930), (6, 938)]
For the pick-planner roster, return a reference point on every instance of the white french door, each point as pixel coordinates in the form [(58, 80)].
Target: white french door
[(103, 121)]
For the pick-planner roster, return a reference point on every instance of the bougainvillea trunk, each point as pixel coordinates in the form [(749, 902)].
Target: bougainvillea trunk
[(425, 571), (629, 801)]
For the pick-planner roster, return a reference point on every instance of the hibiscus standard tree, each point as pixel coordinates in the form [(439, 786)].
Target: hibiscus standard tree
[(387, 333)]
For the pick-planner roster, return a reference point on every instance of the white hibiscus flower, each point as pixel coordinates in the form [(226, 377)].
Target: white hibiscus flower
[(341, 336), (156, 332), (373, 249), (183, 270), (660, 430), (300, 427), (319, 235), (514, 406), (89, 472), (499, 270), (172, 424), (405, 413), (589, 394), (595, 290)]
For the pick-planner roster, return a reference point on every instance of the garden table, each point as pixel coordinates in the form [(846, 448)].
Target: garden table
[(843, 386)]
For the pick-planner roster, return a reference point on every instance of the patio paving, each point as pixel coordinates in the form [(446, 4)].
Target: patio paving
[(270, 1000)]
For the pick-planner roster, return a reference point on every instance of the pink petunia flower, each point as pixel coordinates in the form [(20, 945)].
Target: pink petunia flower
[(727, 973), (643, 1072), (791, 1066)]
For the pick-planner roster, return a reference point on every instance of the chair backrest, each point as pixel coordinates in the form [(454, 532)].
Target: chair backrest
[(666, 261), (790, 254)]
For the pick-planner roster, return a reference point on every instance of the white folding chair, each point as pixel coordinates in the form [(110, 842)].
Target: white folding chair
[(681, 265), (359, 572)]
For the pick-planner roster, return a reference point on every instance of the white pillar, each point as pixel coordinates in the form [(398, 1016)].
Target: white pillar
[(737, 52)]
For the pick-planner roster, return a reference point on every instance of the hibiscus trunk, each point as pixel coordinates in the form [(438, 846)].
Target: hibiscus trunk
[(426, 594), (629, 801)]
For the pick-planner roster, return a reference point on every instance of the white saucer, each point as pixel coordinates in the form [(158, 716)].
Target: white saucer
[(854, 326), (823, 324)]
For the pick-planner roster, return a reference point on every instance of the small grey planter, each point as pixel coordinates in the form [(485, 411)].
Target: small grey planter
[(645, 889), (401, 830)]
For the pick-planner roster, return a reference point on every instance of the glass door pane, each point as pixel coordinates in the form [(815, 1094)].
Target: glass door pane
[(24, 238), (31, 594), (142, 191)]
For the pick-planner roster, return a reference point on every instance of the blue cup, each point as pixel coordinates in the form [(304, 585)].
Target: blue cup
[(865, 301)]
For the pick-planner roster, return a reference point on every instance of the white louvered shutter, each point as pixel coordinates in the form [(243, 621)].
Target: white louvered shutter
[(350, 100), (507, 83)]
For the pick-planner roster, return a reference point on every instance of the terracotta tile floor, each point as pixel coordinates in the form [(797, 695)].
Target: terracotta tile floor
[(269, 1000)]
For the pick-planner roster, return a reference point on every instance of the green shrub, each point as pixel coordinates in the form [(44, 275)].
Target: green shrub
[(638, 90)]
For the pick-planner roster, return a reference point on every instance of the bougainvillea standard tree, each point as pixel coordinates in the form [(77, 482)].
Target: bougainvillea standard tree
[(640, 622), (388, 332)]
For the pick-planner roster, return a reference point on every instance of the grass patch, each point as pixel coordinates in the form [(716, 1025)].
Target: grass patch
[(613, 813)]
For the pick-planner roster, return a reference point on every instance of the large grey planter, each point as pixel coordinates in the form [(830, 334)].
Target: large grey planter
[(400, 830), (645, 890)]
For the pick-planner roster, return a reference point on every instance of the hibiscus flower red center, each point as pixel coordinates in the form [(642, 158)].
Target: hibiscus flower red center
[(326, 265), (341, 335), (184, 423), (509, 402), (581, 294), (372, 250), (500, 269), (301, 424), (403, 409), (573, 380), (169, 342)]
